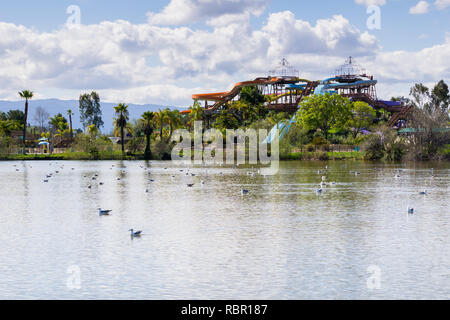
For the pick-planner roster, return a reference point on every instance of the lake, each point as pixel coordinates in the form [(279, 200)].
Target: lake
[(283, 240)]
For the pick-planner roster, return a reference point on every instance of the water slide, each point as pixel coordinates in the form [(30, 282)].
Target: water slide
[(323, 87), (221, 98)]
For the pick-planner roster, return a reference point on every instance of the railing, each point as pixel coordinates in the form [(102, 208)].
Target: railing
[(37, 151), (329, 148)]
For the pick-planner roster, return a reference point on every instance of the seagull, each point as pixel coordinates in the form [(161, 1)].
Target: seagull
[(244, 192), (424, 192), (135, 234), (103, 212), (410, 210)]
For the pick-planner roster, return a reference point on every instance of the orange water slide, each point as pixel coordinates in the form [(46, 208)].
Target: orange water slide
[(222, 97)]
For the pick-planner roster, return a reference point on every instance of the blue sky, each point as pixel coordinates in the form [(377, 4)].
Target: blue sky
[(150, 42), (400, 30)]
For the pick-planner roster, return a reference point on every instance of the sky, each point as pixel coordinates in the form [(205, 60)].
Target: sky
[(161, 52)]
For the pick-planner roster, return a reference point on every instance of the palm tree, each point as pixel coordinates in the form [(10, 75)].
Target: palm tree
[(197, 112), (174, 120), (70, 114), (121, 122), (147, 119), (92, 130), (161, 118), (25, 94)]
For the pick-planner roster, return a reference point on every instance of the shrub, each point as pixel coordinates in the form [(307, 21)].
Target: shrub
[(373, 148), (322, 156), (319, 141), (310, 148)]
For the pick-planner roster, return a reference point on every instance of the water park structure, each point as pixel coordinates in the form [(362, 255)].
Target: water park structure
[(285, 90)]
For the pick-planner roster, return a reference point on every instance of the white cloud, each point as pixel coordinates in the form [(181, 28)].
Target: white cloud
[(114, 56), (288, 35), (420, 8), (371, 2), (154, 64), (179, 12), (442, 4)]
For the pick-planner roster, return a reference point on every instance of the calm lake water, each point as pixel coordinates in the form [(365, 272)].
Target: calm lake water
[(281, 241)]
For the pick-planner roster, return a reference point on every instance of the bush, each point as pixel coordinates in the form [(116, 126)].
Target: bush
[(285, 149), (319, 141), (385, 144), (373, 148), (310, 148), (322, 156), (297, 136), (161, 150), (444, 152), (136, 144)]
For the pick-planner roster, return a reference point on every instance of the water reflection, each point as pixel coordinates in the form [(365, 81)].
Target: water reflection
[(281, 241)]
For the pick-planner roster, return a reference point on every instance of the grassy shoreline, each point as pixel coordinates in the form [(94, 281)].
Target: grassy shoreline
[(313, 156)]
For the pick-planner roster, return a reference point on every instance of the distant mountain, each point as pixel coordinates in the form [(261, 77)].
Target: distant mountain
[(55, 106)]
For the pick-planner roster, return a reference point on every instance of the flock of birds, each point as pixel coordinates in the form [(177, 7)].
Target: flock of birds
[(101, 212), (244, 192)]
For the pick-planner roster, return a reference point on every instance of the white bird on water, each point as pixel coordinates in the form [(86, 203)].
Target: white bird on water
[(103, 212), (135, 233)]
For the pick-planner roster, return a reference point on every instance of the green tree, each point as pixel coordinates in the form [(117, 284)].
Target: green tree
[(90, 110), (121, 122), (225, 120), (92, 130), (252, 96), (324, 112), (17, 115), (70, 114), (197, 113), (174, 121), (27, 95), (161, 118), (277, 118), (7, 127), (421, 95), (440, 96), (147, 120), (362, 117), (57, 122)]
